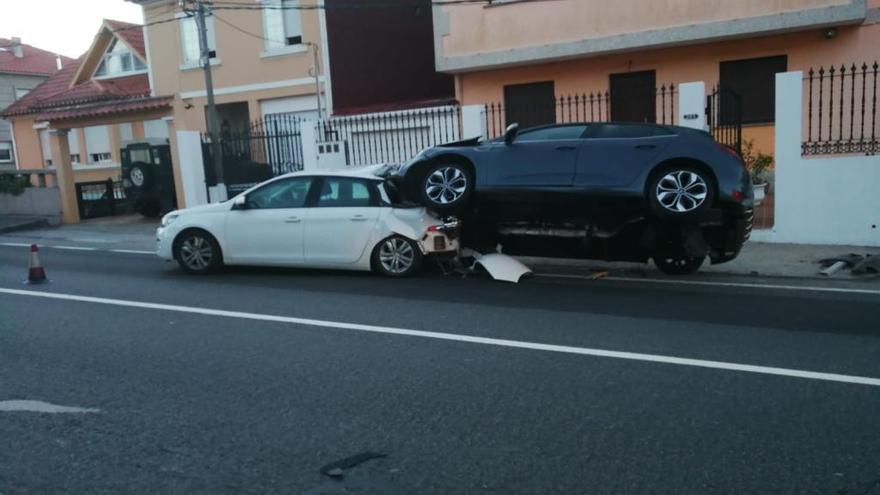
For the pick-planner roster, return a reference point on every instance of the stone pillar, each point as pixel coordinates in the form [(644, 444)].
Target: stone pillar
[(64, 175), (309, 140), (175, 163)]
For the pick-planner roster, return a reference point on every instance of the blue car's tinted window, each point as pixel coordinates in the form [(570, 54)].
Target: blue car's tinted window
[(552, 133), (622, 131)]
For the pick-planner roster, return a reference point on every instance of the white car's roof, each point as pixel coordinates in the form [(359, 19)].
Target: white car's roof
[(368, 172)]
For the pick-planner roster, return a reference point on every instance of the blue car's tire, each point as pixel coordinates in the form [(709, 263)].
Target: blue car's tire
[(680, 192), (678, 265), (446, 185)]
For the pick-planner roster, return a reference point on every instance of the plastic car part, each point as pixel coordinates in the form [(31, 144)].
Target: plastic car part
[(499, 266)]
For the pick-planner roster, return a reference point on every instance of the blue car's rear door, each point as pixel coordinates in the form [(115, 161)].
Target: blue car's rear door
[(615, 155), (542, 157)]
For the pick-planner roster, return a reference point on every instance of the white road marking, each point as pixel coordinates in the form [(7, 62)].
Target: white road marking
[(15, 244), (131, 251), (41, 407), (745, 285), (517, 344), (74, 248)]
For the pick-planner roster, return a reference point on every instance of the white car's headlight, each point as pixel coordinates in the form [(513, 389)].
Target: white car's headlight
[(167, 219)]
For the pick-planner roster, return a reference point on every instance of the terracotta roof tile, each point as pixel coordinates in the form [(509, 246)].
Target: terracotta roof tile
[(33, 61), (55, 95), (133, 34)]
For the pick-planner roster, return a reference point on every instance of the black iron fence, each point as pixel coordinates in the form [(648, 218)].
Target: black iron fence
[(392, 136), (724, 117), (842, 110), (594, 106), (100, 199), (269, 146)]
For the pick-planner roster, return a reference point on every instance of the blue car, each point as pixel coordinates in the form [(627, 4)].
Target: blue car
[(614, 191)]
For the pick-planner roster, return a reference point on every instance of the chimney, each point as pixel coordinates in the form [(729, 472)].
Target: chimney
[(16, 47), (58, 64)]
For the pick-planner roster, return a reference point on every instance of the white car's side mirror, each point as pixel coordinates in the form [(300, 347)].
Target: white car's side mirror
[(240, 203)]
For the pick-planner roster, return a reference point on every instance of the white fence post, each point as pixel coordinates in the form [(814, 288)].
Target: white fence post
[(309, 140), (692, 105), (789, 118), (473, 121), (192, 168)]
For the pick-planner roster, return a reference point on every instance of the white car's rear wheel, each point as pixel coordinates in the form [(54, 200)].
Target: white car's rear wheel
[(397, 256)]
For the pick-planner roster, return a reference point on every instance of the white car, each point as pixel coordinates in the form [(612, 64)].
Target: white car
[(333, 219)]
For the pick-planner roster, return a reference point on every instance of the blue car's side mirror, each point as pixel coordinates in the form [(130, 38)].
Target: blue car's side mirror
[(510, 133)]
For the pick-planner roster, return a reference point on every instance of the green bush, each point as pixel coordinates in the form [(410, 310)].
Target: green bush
[(757, 164), (13, 184)]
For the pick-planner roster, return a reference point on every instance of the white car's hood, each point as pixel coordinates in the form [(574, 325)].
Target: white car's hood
[(225, 206)]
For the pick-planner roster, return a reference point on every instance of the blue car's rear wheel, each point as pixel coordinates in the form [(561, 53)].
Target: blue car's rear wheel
[(680, 192), (446, 185)]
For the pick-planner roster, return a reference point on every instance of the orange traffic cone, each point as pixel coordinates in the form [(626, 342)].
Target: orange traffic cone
[(36, 274)]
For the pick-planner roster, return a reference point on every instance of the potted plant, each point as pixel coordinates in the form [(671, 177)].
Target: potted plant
[(757, 164)]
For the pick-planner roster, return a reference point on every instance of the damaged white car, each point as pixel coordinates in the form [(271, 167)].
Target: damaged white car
[(335, 219)]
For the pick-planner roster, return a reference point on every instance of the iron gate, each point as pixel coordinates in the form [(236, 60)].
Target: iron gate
[(100, 199), (269, 147), (724, 117)]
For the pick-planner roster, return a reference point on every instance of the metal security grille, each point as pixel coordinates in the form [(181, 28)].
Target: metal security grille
[(270, 146), (392, 137), (100, 199), (595, 106), (842, 110), (724, 117)]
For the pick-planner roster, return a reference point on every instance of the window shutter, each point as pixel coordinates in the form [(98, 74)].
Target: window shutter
[(97, 139), (156, 129), (46, 145), (292, 21), (73, 141), (273, 27), (189, 39), (125, 132)]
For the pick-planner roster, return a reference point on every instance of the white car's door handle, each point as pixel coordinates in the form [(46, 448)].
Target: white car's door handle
[(358, 218), (292, 220)]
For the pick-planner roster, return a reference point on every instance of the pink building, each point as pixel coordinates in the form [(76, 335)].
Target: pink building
[(520, 52)]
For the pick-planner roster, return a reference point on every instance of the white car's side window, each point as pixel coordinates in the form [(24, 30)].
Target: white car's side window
[(286, 193), (341, 191)]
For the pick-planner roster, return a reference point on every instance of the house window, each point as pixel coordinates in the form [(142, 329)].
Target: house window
[(155, 129), (189, 39), (118, 60), (754, 80), (281, 24), (98, 144), (73, 144), (21, 92), (126, 133), (46, 147), (5, 152)]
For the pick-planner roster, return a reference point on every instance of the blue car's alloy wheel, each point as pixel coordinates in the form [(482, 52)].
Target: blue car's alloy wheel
[(681, 191)]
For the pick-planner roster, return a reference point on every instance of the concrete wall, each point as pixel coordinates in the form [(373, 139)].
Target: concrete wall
[(819, 200), (477, 36), (37, 201)]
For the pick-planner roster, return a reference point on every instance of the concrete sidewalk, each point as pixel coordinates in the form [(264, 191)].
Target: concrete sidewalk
[(758, 259), (121, 232), (15, 223)]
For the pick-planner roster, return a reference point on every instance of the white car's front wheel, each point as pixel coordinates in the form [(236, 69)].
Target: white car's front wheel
[(397, 256), (196, 251)]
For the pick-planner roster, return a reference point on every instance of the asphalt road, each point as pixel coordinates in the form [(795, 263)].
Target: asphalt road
[(465, 385)]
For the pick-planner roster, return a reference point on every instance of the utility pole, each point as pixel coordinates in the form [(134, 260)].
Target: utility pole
[(213, 124), (317, 75)]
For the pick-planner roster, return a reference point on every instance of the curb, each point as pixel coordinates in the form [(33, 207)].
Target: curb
[(33, 224)]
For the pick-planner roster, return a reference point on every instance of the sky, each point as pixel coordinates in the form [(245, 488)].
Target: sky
[(62, 26)]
